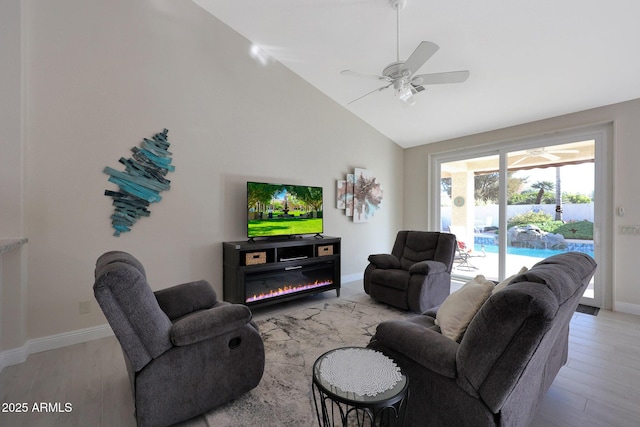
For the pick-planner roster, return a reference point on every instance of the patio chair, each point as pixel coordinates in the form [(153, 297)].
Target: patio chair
[(463, 256), (463, 251)]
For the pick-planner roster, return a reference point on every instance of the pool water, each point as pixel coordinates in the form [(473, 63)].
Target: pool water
[(530, 252)]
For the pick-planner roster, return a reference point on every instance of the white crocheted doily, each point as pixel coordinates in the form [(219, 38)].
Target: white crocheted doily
[(362, 371)]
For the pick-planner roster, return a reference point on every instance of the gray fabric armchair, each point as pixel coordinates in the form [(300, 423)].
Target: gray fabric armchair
[(186, 353), (497, 372), (416, 275)]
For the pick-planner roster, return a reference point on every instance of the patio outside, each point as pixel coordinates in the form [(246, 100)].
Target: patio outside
[(546, 194), (483, 259)]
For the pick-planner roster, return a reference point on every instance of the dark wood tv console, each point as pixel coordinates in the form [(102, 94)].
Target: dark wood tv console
[(263, 272)]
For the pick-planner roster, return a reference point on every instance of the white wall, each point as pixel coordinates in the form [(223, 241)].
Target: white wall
[(624, 292), (13, 264), (103, 74), (10, 113)]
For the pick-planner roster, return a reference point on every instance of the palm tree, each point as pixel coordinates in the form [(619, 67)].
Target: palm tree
[(558, 195), (542, 186)]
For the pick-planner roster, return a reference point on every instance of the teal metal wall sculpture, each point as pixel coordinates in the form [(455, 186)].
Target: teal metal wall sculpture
[(141, 182)]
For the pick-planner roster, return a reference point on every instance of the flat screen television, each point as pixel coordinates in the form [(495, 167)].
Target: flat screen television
[(283, 210)]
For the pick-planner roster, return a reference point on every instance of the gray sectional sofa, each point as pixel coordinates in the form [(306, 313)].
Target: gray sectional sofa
[(497, 372)]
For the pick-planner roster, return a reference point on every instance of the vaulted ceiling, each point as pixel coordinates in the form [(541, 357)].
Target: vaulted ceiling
[(528, 60)]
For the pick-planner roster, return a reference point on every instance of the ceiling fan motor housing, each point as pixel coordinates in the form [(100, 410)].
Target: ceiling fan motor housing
[(397, 74), (398, 4), (393, 70)]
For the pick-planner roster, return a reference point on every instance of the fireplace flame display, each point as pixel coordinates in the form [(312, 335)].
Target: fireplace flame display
[(286, 290)]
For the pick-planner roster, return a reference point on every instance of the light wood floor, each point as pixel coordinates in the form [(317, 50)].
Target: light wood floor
[(599, 386)]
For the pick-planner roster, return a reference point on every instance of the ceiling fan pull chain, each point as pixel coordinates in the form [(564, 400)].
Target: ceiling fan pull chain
[(397, 33)]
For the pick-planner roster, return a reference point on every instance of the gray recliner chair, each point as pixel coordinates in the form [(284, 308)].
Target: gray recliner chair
[(416, 275), (186, 353)]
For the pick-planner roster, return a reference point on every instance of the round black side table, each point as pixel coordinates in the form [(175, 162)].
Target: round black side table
[(337, 407)]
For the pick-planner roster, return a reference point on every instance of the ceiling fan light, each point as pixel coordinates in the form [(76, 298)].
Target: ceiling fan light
[(405, 95), (410, 101)]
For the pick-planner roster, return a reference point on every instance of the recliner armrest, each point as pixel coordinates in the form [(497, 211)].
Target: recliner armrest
[(209, 323), (427, 347), (180, 300), (426, 267), (384, 261)]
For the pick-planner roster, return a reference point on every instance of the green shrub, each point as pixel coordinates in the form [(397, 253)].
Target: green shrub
[(582, 230), (551, 226), (576, 230), (531, 217)]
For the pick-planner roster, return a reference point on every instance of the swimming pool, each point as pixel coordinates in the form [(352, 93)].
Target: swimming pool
[(489, 247)]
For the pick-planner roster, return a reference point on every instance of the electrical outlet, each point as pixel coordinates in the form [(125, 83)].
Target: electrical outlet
[(85, 307), (630, 229)]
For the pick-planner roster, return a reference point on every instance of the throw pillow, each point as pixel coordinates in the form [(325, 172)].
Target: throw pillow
[(457, 310), (500, 286)]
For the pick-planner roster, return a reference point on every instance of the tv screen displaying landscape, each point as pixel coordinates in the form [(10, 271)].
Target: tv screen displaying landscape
[(283, 210)]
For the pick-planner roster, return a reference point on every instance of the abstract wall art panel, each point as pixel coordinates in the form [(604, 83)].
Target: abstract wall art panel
[(367, 195), (141, 182), (362, 196), (349, 196), (341, 193)]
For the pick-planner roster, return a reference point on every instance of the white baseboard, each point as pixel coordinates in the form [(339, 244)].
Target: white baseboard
[(51, 342), (351, 277), (12, 357), (624, 307), (15, 356)]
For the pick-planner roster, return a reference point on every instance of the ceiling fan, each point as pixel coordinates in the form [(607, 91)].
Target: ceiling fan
[(402, 74), (544, 153)]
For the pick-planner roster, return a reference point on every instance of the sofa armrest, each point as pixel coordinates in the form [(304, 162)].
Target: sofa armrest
[(180, 300), (426, 267), (425, 346), (209, 323), (384, 261)]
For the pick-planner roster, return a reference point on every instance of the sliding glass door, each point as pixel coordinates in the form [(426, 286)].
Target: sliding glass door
[(515, 204)]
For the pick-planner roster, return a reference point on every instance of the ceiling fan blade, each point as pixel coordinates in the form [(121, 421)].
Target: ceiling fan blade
[(423, 52), (368, 76), (369, 93), (441, 78), (416, 88), (549, 156), (564, 151), (519, 160)]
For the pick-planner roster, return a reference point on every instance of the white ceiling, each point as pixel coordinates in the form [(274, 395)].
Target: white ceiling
[(528, 60)]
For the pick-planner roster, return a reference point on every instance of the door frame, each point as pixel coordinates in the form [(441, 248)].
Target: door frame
[(603, 225)]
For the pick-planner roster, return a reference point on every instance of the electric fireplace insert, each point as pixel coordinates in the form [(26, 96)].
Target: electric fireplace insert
[(265, 272)]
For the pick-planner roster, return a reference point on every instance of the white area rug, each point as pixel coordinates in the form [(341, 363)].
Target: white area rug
[(293, 342)]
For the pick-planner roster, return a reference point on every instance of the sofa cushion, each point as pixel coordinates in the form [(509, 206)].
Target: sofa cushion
[(458, 309), (184, 299), (563, 274), (397, 279), (500, 286), (419, 246)]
